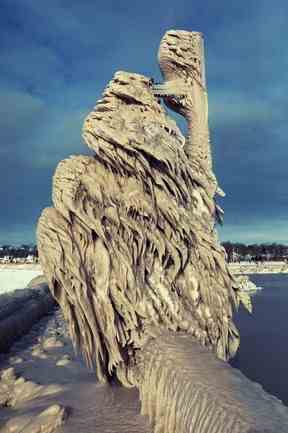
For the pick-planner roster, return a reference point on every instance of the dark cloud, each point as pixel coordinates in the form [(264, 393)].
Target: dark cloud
[(56, 58)]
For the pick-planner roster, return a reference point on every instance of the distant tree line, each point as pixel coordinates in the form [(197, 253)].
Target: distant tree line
[(235, 251), (21, 251), (255, 252)]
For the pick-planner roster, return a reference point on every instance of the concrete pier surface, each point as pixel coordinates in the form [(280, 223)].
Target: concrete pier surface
[(259, 267)]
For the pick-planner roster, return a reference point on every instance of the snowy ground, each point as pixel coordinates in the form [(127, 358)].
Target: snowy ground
[(42, 380), (17, 277)]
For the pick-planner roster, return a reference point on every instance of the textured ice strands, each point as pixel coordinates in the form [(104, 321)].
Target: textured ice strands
[(182, 63), (185, 388), (130, 245), (130, 241)]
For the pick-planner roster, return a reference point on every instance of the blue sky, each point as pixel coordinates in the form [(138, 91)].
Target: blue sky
[(57, 56)]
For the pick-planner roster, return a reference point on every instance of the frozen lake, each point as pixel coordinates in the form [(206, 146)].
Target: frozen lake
[(17, 278), (263, 353)]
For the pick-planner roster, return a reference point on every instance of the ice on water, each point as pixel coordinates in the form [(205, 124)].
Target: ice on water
[(12, 279)]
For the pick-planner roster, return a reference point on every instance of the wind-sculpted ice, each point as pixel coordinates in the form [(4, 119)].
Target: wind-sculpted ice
[(130, 245), (185, 388)]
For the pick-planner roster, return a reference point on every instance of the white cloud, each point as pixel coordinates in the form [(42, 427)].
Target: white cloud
[(19, 113), (236, 108), (274, 230)]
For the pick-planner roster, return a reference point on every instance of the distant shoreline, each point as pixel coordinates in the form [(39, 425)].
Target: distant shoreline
[(258, 268), (235, 268), (21, 266)]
